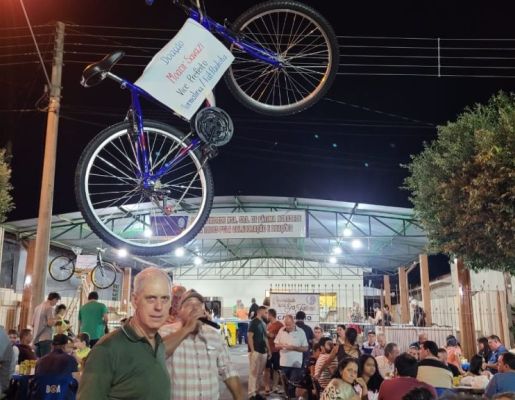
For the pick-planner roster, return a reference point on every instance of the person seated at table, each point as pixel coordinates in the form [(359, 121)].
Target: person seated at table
[(369, 371), (25, 348), (369, 345), (483, 349), (378, 350), (58, 362), (81, 345), (453, 353), (413, 351), (443, 357), (430, 369), (422, 337), (504, 380), (476, 376), (13, 338), (386, 363), (342, 386), (349, 348), (405, 380), (497, 348)]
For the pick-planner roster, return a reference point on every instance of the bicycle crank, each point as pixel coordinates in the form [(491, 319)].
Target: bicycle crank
[(214, 126)]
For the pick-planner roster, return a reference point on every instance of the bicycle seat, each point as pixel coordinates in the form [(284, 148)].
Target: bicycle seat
[(95, 73)]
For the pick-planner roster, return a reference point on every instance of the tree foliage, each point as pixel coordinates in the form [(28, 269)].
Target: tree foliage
[(463, 186), (6, 200)]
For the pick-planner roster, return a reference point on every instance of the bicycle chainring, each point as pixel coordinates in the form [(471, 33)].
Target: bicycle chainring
[(214, 126)]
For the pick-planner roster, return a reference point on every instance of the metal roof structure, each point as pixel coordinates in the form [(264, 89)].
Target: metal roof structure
[(389, 237)]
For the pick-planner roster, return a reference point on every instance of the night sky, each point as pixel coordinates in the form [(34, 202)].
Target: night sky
[(332, 151)]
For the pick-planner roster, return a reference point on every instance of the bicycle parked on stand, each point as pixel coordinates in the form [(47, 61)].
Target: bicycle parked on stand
[(145, 186), (103, 275)]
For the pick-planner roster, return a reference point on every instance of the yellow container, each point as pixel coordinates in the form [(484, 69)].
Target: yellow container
[(231, 333)]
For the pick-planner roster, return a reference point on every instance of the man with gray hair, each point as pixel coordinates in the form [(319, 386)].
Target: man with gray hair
[(292, 343), (130, 362)]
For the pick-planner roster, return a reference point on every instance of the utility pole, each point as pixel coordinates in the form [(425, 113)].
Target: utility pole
[(42, 246)]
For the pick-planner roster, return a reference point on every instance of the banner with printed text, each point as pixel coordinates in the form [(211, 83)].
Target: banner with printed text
[(285, 224), (183, 72), (291, 303)]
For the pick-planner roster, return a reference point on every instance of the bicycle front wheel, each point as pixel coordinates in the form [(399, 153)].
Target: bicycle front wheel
[(301, 40), (103, 275), (61, 268), (145, 219)]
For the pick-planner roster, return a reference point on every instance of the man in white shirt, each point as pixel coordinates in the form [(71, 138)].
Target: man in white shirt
[(291, 342), (386, 363)]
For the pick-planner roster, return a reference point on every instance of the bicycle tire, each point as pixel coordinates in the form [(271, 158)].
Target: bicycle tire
[(115, 238), (61, 268), (104, 275), (256, 80)]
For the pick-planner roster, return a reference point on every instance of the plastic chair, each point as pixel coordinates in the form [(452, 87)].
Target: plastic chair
[(53, 387)]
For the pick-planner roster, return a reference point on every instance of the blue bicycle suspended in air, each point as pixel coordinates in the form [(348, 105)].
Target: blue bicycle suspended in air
[(147, 187)]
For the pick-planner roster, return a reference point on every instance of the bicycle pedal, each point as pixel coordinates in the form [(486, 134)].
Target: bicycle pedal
[(214, 126)]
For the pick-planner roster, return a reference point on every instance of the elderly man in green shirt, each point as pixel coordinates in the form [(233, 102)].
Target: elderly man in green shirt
[(129, 363)]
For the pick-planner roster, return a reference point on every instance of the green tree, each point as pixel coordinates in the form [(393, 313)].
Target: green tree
[(6, 200), (463, 186)]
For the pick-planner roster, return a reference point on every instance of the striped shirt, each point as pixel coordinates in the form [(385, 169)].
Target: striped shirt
[(196, 364), (324, 376)]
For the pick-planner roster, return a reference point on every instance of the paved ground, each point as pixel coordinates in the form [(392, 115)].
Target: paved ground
[(240, 359)]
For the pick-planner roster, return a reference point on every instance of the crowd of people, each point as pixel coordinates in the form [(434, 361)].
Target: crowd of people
[(51, 343), (315, 366), (169, 349)]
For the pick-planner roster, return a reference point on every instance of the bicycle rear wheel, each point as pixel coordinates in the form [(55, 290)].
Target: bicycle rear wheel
[(143, 220), (61, 268), (303, 41), (103, 275)]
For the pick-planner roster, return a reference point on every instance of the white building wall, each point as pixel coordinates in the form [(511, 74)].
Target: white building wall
[(349, 290), (487, 280)]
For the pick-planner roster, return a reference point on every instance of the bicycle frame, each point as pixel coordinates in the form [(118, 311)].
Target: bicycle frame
[(140, 146), (135, 114), (247, 46)]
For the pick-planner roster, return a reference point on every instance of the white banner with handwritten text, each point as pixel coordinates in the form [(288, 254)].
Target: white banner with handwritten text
[(184, 72)]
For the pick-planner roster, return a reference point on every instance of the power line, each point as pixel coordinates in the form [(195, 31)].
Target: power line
[(20, 110), (369, 109), (43, 66)]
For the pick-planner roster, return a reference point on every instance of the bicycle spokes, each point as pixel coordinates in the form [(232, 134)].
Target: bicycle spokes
[(147, 208), (301, 46)]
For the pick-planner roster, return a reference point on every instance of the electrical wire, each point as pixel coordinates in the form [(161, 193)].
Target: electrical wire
[(369, 109), (43, 66)]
